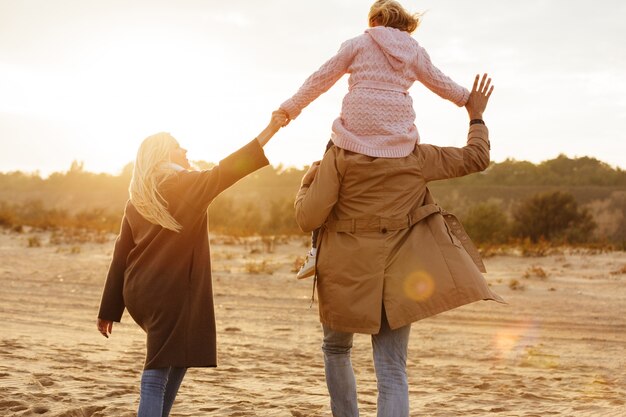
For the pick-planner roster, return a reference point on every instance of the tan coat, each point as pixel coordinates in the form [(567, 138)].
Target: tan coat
[(414, 272), (163, 278)]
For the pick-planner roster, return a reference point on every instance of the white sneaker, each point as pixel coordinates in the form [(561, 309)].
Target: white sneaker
[(308, 269)]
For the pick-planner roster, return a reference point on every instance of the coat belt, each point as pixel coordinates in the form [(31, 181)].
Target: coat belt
[(382, 224)]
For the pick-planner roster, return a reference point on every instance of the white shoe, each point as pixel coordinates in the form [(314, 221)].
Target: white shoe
[(308, 269)]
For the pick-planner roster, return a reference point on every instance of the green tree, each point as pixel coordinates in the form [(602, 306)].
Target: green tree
[(554, 216), (282, 220), (487, 223)]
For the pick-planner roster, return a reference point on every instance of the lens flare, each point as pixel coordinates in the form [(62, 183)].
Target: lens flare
[(521, 345), (419, 286), (513, 342)]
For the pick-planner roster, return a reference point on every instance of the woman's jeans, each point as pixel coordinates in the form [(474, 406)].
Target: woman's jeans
[(158, 391), (390, 352)]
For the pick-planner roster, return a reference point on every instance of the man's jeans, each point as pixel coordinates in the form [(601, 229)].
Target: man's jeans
[(390, 352), (158, 391)]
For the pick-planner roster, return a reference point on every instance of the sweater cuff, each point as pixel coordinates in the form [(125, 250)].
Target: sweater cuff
[(463, 100), (290, 107)]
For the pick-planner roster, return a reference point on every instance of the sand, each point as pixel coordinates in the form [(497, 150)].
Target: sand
[(557, 349)]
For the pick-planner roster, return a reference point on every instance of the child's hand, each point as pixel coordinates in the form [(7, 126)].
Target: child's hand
[(279, 119), (285, 114)]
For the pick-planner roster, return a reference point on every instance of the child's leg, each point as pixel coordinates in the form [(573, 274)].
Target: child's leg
[(308, 269), (316, 232), (314, 236)]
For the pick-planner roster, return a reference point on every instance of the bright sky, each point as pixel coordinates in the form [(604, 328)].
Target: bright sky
[(88, 80)]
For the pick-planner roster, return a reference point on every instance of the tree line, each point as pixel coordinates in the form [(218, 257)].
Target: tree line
[(563, 200)]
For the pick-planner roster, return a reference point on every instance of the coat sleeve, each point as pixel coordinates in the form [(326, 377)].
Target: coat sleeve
[(448, 162), (314, 202), (320, 81), (438, 82), (199, 188), (112, 303)]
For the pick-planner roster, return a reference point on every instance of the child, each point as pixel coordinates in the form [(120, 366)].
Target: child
[(377, 117)]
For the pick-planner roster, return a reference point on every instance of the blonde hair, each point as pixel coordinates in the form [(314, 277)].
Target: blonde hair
[(149, 172), (391, 14)]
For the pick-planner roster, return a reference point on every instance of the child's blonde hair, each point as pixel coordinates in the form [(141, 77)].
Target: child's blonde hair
[(390, 13), (150, 170)]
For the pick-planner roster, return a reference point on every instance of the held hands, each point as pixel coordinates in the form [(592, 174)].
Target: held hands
[(105, 327), (479, 96), (278, 120), (284, 113)]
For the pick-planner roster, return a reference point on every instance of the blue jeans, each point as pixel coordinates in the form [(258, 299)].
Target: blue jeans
[(390, 353), (158, 391)]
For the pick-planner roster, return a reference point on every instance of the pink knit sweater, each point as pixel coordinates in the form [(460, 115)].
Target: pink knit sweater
[(377, 117)]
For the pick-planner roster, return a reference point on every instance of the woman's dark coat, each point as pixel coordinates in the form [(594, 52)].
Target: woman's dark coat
[(163, 278)]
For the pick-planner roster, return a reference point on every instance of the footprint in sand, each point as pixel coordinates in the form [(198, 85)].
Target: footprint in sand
[(43, 379), (283, 329), (39, 410), (82, 411), (13, 406), (232, 329)]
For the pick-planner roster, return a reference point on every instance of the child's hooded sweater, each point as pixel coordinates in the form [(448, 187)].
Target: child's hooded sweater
[(377, 117)]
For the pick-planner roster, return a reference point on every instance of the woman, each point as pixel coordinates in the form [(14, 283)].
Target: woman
[(387, 255), (161, 267)]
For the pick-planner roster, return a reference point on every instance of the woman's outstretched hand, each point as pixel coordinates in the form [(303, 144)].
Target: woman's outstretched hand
[(278, 120), (105, 327), (479, 96)]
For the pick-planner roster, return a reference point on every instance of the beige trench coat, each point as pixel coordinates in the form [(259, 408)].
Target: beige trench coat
[(369, 256)]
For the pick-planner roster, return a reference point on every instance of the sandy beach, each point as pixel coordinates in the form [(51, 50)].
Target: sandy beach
[(557, 349)]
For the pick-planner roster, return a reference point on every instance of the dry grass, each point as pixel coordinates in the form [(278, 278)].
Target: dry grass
[(80, 236), (297, 263), (619, 271), (515, 285), (257, 268), (536, 271)]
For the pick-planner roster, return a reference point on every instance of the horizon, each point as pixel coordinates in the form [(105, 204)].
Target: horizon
[(88, 82), (196, 165)]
